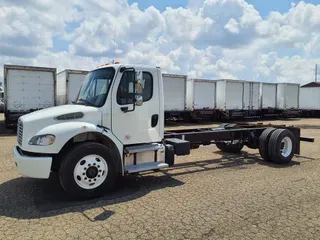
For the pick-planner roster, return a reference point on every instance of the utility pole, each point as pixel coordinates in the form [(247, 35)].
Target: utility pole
[(316, 73)]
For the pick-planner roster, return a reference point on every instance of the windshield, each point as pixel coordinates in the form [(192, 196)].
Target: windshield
[(96, 86)]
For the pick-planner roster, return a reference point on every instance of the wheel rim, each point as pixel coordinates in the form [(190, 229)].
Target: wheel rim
[(90, 171), (286, 147)]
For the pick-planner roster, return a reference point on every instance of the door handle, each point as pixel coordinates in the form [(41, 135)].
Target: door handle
[(154, 120), (124, 109)]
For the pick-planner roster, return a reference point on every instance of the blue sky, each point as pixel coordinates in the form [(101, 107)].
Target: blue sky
[(263, 6)]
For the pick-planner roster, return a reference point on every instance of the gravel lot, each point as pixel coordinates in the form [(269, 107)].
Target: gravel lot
[(208, 195)]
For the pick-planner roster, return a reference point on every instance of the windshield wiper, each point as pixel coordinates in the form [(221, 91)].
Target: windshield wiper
[(83, 100)]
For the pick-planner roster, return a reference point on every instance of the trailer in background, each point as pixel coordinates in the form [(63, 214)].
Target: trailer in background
[(68, 85), (175, 96), (1, 100), (309, 99), (288, 99), (237, 98), (27, 89), (201, 98), (268, 99)]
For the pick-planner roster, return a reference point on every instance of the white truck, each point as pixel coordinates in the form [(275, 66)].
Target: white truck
[(27, 89), (69, 82), (116, 127)]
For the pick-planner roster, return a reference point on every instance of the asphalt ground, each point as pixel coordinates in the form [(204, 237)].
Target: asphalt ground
[(207, 195)]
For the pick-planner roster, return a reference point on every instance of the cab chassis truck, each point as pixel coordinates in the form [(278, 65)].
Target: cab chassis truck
[(116, 127)]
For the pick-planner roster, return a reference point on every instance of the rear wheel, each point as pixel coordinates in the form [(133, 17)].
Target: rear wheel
[(87, 171), (264, 142), (230, 147), (282, 146)]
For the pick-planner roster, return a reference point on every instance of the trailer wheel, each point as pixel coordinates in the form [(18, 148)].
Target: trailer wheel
[(263, 143), (230, 147), (87, 171), (282, 146)]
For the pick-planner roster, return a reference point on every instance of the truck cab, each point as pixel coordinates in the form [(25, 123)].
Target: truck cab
[(115, 126)]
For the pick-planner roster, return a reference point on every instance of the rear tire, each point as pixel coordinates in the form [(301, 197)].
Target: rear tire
[(264, 142), (230, 148), (74, 172), (282, 146)]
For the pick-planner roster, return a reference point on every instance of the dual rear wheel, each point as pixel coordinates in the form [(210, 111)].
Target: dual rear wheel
[(277, 145)]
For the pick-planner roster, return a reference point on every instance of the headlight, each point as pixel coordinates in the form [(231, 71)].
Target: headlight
[(42, 140)]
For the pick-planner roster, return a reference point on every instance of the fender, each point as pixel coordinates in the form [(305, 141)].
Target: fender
[(66, 131)]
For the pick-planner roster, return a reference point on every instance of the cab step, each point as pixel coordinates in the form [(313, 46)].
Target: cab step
[(146, 167), (143, 148)]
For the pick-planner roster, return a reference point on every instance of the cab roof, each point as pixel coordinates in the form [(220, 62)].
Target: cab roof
[(117, 66)]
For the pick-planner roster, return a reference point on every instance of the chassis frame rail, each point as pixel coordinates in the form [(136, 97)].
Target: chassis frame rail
[(241, 132)]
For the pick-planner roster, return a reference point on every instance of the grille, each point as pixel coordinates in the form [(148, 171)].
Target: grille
[(20, 132)]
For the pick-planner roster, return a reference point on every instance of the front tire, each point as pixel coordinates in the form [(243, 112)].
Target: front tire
[(87, 171)]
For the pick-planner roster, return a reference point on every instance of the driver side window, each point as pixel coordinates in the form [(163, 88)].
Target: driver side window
[(125, 94)]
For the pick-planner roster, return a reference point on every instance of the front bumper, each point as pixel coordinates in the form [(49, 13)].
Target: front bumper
[(32, 166)]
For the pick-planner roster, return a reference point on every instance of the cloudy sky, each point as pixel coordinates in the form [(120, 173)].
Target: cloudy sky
[(274, 40)]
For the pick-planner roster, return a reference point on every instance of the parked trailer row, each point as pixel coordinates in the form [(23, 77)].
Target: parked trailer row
[(227, 98), (184, 97), (29, 88), (32, 88)]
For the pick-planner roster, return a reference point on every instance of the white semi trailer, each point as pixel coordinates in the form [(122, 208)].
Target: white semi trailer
[(27, 89), (1, 100), (69, 82), (118, 129)]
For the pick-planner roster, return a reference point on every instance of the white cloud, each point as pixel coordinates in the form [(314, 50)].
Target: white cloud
[(27, 27), (209, 38), (295, 69), (104, 34), (291, 29), (232, 26), (183, 26), (313, 46)]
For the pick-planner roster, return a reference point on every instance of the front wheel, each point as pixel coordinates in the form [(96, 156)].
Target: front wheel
[(87, 171)]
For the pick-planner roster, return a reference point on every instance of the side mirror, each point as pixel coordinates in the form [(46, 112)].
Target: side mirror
[(139, 100)]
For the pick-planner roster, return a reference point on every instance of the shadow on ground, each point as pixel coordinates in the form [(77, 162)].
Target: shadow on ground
[(227, 160), (28, 198), (31, 198), (6, 132)]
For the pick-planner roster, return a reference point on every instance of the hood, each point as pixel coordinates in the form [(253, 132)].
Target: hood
[(37, 120)]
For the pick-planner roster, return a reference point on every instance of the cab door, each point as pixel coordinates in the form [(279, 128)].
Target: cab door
[(133, 123)]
